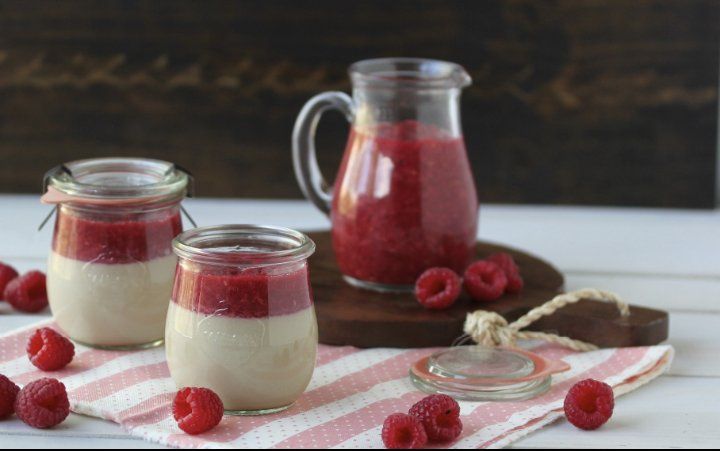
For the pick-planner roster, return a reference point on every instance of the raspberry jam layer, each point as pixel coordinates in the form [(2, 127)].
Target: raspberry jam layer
[(115, 239), (405, 201), (253, 293)]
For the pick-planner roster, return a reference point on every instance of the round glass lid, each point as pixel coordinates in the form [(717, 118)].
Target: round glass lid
[(476, 373), (119, 178), (479, 362)]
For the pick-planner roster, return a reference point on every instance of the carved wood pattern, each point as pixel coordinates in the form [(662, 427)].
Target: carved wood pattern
[(585, 102)]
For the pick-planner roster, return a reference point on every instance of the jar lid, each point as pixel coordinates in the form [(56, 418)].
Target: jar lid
[(476, 373), (116, 180)]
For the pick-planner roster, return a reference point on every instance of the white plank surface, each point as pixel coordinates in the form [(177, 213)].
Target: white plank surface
[(671, 412), (663, 259), (616, 241), (674, 293)]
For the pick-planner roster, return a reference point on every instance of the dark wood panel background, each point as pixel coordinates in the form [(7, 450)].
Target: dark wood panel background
[(574, 101)]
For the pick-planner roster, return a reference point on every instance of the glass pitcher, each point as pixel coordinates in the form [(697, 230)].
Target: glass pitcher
[(404, 199)]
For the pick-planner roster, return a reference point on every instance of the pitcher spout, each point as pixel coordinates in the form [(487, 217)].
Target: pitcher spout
[(418, 73)]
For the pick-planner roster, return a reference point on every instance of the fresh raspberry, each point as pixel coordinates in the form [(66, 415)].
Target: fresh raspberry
[(8, 394), (589, 404), (27, 293), (440, 415), (43, 403), (485, 281), (438, 288), (402, 431), (197, 410), (50, 351), (7, 273), (510, 268)]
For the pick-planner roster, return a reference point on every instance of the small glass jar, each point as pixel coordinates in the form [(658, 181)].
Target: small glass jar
[(110, 271), (241, 321)]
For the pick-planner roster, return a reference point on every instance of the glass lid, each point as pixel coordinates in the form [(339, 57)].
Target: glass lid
[(479, 362), (476, 373), (119, 178)]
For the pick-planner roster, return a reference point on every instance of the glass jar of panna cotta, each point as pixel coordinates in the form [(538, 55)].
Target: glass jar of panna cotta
[(241, 321), (111, 268)]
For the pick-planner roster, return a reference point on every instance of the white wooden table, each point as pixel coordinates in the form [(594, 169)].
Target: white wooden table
[(667, 259)]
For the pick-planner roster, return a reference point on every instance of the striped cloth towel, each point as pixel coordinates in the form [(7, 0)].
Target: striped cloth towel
[(350, 395)]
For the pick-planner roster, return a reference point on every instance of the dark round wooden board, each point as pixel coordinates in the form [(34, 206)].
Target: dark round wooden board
[(367, 319)]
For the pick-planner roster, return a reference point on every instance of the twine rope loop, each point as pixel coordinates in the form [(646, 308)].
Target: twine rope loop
[(490, 329)]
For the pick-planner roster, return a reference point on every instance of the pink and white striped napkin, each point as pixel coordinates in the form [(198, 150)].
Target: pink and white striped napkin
[(351, 393)]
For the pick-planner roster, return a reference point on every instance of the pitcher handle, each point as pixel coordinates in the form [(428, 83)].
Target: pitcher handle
[(311, 181)]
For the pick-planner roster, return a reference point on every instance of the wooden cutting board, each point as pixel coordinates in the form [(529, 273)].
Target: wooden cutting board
[(367, 319)]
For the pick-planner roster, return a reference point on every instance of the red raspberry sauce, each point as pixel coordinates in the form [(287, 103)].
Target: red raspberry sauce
[(405, 201), (113, 240), (247, 294)]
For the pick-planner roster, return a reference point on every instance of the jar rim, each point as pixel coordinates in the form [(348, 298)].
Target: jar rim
[(243, 245), (403, 72), (119, 178)]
